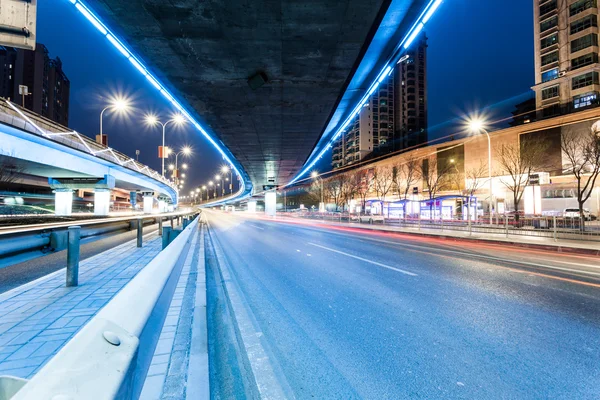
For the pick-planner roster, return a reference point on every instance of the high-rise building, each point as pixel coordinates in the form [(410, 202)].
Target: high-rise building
[(47, 85), (410, 113), (566, 56), (394, 118)]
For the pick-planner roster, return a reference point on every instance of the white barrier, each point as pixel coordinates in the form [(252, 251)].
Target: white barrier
[(109, 358)]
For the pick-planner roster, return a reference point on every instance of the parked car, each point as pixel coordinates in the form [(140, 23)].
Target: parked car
[(370, 218), (574, 213)]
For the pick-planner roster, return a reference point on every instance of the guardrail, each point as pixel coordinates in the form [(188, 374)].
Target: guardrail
[(109, 358), (53, 236), (549, 227), (21, 118)]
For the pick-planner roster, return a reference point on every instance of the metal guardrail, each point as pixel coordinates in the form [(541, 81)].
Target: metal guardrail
[(549, 227), (21, 118), (110, 356), (27, 238)]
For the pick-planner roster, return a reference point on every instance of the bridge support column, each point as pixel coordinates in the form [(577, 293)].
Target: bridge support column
[(63, 202), (252, 207), (101, 202), (270, 203), (133, 199), (162, 206), (148, 203)]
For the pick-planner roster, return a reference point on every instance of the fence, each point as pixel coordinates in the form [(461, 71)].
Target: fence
[(507, 225)]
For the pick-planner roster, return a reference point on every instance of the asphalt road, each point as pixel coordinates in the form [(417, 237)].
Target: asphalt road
[(349, 314)]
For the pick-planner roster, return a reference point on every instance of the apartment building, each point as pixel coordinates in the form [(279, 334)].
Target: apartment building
[(395, 117), (566, 56)]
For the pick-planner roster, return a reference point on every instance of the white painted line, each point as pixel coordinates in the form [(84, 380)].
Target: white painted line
[(256, 226), (431, 252), (365, 260)]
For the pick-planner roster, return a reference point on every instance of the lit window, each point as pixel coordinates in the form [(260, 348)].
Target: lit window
[(585, 100), (550, 75)]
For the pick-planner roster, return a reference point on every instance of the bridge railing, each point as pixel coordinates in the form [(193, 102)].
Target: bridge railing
[(110, 356), (21, 118)]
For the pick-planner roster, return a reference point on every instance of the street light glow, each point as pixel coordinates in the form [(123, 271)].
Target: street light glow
[(184, 166), (217, 177), (475, 125), (224, 169), (120, 104), (171, 167), (179, 119), (151, 119), (203, 187), (314, 174), (187, 150)]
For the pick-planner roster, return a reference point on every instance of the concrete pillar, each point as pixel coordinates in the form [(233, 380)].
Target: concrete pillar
[(162, 206), (252, 206), (133, 199), (63, 202), (148, 204), (101, 202), (270, 203)]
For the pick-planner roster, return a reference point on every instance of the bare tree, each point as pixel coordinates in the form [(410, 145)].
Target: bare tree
[(334, 189), (406, 175), (582, 153), (383, 179), (364, 186), (435, 176), (518, 162), (475, 178), (10, 171)]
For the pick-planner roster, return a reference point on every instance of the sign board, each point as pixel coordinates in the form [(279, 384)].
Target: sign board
[(18, 23), (416, 190), (23, 90), (534, 179)]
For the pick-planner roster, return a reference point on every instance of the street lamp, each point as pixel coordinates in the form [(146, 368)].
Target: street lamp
[(476, 126), (118, 104), (186, 151), (210, 184), (218, 178), (152, 120), (225, 169), (202, 194), (315, 176)]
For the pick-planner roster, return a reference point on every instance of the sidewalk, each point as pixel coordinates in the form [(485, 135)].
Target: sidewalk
[(39, 318)]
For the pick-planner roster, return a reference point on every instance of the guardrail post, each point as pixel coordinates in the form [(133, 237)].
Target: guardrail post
[(419, 218), (160, 226), (140, 231), (73, 256), (554, 228), (172, 224), (165, 237), (506, 224)]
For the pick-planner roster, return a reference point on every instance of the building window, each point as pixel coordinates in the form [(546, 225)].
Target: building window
[(550, 93), (584, 42), (548, 24), (550, 58), (580, 6), (549, 41), (584, 23), (591, 78), (550, 75), (585, 100), (591, 58), (547, 7)]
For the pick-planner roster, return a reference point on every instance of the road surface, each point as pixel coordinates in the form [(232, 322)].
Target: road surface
[(345, 314)]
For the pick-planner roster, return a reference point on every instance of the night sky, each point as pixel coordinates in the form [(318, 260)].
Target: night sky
[(480, 55)]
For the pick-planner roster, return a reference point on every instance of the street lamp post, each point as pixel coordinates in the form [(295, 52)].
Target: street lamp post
[(315, 176), (153, 120), (477, 126), (186, 151), (117, 104), (210, 184), (225, 169), (202, 194), (218, 178)]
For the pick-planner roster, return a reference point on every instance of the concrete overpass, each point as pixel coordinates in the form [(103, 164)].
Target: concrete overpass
[(71, 161), (269, 82)]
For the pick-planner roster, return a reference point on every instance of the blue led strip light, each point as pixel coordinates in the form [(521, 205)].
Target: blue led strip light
[(139, 65), (413, 33)]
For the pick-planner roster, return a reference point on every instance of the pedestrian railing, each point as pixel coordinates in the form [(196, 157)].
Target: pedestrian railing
[(21, 118), (540, 226), (109, 358)]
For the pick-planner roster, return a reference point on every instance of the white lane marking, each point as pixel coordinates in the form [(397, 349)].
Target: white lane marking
[(365, 260), (308, 254), (256, 226), (298, 250), (491, 258)]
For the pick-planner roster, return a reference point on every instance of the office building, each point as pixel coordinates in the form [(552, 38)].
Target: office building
[(47, 85), (394, 118), (566, 56)]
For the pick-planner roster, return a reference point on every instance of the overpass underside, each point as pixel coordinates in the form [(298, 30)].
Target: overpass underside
[(265, 76)]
